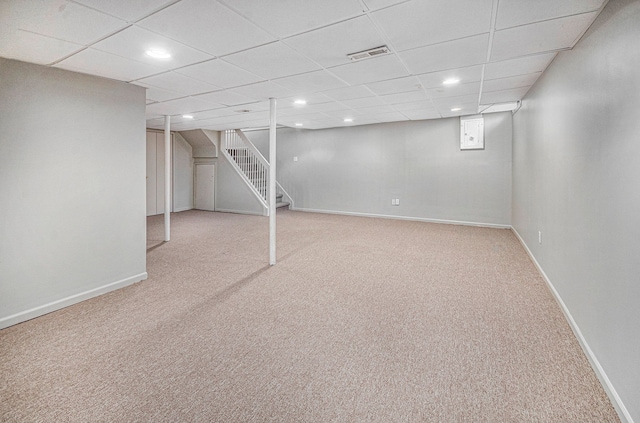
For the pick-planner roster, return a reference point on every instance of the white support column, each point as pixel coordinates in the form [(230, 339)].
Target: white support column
[(167, 178), (272, 181)]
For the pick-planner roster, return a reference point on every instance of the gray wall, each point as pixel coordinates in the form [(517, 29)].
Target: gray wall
[(182, 174), (360, 169), (577, 180), (232, 194), (72, 188)]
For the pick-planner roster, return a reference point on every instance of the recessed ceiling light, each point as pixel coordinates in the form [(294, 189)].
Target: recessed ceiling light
[(456, 109), (450, 81), (158, 53), (348, 120), (187, 116), (300, 102), (298, 124)]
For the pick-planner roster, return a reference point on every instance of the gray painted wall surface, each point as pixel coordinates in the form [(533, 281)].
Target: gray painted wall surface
[(577, 179), (232, 194), (360, 169), (72, 185), (182, 174)]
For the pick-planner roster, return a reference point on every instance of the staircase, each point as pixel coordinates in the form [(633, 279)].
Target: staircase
[(251, 165)]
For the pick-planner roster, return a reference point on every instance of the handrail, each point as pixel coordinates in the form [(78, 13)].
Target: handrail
[(249, 163)]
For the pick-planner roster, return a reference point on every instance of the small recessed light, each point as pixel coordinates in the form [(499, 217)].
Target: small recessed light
[(187, 116), (157, 53), (300, 102), (456, 109), (450, 81), (298, 124), (348, 120)]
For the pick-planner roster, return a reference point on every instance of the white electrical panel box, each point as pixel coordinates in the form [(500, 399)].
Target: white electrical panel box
[(472, 133)]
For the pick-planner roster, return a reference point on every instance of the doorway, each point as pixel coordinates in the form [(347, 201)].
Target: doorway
[(205, 187)]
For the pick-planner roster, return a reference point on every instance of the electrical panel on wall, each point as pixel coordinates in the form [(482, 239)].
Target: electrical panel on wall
[(472, 133)]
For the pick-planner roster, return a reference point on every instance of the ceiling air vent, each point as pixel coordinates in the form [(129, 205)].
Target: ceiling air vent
[(378, 51)]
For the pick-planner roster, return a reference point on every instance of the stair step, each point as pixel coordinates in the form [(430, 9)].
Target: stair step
[(282, 204)]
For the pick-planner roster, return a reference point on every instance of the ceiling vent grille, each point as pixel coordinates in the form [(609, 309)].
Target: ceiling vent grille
[(361, 55)]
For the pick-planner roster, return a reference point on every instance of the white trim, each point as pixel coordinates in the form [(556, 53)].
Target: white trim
[(23, 316), (622, 411), (416, 219), (239, 212)]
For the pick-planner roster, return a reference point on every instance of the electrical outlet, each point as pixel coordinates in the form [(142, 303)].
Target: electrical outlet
[(539, 237), (397, 201), (295, 158)]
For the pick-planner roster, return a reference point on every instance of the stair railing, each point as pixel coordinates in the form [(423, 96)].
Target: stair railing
[(250, 163)]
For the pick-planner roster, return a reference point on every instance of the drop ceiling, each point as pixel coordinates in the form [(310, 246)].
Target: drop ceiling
[(228, 57)]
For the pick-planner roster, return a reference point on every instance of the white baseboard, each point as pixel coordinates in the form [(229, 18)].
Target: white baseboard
[(181, 209), (23, 316), (622, 411), (239, 212), (411, 218)]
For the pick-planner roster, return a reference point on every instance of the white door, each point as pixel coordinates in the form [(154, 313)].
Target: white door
[(151, 174), (205, 186)]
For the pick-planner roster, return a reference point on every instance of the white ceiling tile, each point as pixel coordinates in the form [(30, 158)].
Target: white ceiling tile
[(284, 18), (540, 37), (133, 43), (377, 110), (226, 98), (311, 99), (158, 94), (389, 117), (520, 12), (379, 4), (393, 86), (272, 61), (349, 93), (220, 73), (371, 70), (180, 106), (406, 97), (34, 48), (451, 102), (329, 46), (510, 82), (465, 110), (453, 54), (310, 82), (316, 108), (129, 10), (264, 90), (504, 95), (214, 113), (172, 81), (364, 102), (108, 65), (60, 19), (455, 90), (519, 66), (419, 23), (207, 26), (465, 75), (415, 105), (421, 114)]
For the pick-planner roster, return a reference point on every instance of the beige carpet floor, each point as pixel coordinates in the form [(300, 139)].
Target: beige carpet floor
[(361, 320)]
